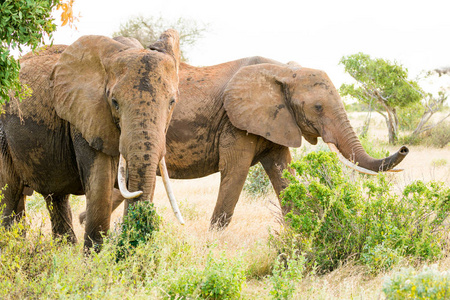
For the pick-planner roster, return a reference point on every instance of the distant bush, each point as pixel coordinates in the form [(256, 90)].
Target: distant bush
[(410, 116), (376, 151), (409, 284), (334, 218), (257, 182), (438, 137), (356, 107), (439, 162)]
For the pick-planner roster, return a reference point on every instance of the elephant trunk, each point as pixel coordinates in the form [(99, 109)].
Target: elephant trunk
[(141, 178), (350, 151), (142, 150)]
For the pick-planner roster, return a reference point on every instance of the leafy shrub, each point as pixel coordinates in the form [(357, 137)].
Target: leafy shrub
[(410, 116), (333, 218), (408, 284), (257, 182), (380, 258), (285, 278), (220, 279), (138, 226), (438, 136)]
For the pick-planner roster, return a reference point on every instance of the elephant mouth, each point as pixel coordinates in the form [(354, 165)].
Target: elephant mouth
[(310, 139), (131, 195)]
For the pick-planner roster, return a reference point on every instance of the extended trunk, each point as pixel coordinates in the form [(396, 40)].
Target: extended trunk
[(349, 145)]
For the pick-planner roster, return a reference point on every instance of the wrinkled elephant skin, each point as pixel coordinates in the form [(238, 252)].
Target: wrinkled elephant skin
[(92, 101), (234, 115)]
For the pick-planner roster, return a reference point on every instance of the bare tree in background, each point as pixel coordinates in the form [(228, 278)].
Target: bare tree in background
[(148, 29)]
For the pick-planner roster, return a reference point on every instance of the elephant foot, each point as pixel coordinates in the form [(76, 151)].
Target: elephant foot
[(220, 223)]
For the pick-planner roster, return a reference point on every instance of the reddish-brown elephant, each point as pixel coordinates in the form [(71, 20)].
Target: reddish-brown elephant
[(93, 102), (234, 115)]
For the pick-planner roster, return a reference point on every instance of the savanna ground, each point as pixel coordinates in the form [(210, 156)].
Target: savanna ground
[(256, 219)]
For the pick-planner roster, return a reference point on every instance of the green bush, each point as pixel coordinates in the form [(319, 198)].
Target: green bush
[(138, 226), (286, 276), (220, 279), (409, 117), (334, 219), (408, 284), (257, 182), (438, 137)]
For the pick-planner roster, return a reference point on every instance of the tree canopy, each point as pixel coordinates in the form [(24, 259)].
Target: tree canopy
[(148, 29), (25, 23), (383, 85)]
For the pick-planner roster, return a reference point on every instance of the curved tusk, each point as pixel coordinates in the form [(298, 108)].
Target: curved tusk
[(348, 163), (166, 181), (122, 180)]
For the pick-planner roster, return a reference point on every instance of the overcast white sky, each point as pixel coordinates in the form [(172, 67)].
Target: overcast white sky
[(316, 33)]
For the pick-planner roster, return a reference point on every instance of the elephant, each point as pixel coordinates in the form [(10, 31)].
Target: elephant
[(233, 115), (94, 103)]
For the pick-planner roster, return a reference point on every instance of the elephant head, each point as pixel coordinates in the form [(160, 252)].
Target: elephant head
[(120, 97), (282, 103)]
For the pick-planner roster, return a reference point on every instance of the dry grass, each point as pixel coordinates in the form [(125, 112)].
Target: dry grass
[(254, 219)]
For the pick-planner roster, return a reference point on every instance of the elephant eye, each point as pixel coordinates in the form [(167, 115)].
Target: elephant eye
[(318, 107), (171, 102), (115, 104)]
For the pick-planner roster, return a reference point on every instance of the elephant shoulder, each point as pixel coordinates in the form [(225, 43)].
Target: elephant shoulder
[(256, 60), (52, 51)]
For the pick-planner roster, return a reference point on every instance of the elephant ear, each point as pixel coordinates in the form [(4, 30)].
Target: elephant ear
[(79, 81), (255, 101), (169, 43)]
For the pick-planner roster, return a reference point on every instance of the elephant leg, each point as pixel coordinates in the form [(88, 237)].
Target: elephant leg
[(274, 163), (61, 216), (13, 201), (234, 164), (98, 174), (117, 199), (99, 187)]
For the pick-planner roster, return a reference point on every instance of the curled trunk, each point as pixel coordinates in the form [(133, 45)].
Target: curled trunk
[(348, 144)]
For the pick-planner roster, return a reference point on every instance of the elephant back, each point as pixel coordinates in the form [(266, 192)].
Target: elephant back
[(52, 51)]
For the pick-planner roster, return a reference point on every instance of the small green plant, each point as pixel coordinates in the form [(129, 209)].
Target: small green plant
[(138, 226), (379, 258), (409, 284), (286, 275), (220, 279), (440, 162), (257, 182), (334, 218)]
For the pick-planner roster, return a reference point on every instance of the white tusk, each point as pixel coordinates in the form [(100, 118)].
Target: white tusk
[(122, 180), (348, 163), (166, 181)]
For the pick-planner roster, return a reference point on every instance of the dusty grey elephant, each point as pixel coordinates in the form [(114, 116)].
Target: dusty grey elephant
[(234, 115), (93, 102)]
